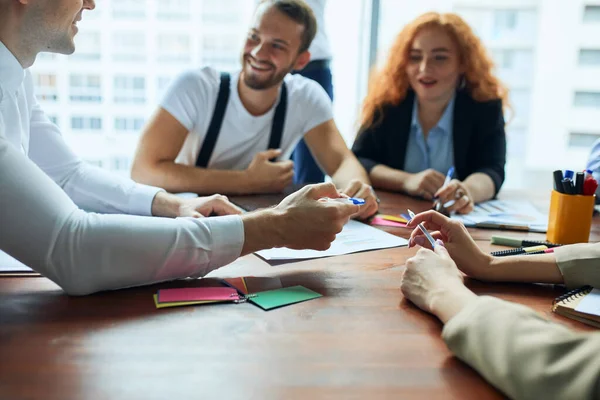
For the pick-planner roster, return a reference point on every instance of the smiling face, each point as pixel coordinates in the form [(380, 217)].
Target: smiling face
[(55, 23), (434, 65), (271, 49)]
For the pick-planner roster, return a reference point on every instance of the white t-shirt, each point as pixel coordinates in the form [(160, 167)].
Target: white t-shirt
[(320, 49), (191, 100)]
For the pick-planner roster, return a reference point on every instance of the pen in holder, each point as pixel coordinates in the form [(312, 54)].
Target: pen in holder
[(570, 218)]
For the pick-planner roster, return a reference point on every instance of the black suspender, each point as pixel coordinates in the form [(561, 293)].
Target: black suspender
[(216, 121)]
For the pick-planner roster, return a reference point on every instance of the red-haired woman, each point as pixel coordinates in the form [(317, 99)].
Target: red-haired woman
[(435, 104)]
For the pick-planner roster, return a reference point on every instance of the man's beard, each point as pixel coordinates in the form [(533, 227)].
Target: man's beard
[(253, 82)]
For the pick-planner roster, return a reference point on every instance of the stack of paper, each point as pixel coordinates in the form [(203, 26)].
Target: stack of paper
[(355, 237), (505, 214)]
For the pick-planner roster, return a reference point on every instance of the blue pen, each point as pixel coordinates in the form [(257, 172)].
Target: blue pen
[(350, 200), (425, 232), (449, 176)]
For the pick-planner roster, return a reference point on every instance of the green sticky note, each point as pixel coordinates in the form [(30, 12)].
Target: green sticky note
[(283, 297)]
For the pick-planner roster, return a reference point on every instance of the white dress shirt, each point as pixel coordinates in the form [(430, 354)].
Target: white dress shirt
[(44, 187)]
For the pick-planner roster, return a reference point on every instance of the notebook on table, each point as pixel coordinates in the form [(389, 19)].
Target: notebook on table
[(581, 304)]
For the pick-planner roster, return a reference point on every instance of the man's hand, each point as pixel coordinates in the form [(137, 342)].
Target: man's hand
[(205, 206), (424, 184), (169, 205), (361, 190), (434, 284), (303, 220), (457, 191), (264, 176), (462, 248)]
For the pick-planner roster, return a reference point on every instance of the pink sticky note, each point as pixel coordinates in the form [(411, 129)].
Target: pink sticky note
[(197, 294), (384, 222)]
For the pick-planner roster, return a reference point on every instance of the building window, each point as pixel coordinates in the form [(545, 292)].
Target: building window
[(53, 119), (88, 46), (174, 47), (129, 9), (128, 124), (585, 140), (46, 89), (220, 51), (129, 46), (130, 89), (504, 20), (173, 9), (85, 88), (589, 57), (505, 59), (86, 123), (587, 99), (221, 12), (120, 163), (591, 14)]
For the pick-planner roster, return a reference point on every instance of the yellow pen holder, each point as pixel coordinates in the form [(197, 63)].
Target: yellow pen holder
[(570, 218)]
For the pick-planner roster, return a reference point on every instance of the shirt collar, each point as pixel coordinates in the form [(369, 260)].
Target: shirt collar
[(12, 73), (445, 122)]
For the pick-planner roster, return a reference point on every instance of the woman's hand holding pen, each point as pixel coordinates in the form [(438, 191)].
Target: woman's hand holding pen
[(462, 248), (424, 184), (458, 192)]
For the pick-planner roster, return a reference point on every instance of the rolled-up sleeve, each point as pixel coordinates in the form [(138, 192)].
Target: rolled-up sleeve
[(524, 355), (91, 188), (579, 264), (87, 252)]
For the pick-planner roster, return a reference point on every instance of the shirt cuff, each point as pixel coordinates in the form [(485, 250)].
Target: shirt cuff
[(141, 198), (227, 234), (464, 318), (578, 264)]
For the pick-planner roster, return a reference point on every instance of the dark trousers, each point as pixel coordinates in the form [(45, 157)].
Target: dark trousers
[(306, 169)]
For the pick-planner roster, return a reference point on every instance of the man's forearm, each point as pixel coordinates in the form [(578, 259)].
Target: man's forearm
[(261, 231), (348, 170), (182, 178)]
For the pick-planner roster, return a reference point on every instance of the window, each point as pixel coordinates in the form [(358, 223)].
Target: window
[(53, 119), (505, 20), (86, 123), (174, 47), (504, 59), (130, 89), (129, 46), (220, 12), (587, 99), (591, 14), (46, 89), (173, 9), (221, 51), (589, 57), (120, 163), (129, 9), (88, 46), (129, 124), (585, 140), (85, 88)]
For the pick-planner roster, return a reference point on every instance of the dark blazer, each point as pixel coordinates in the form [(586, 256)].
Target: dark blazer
[(479, 139)]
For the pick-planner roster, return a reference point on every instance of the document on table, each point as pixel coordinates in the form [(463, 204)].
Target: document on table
[(9, 265), (355, 237), (505, 214)]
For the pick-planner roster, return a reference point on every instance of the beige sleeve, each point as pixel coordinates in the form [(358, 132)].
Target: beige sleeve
[(579, 264), (524, 355)]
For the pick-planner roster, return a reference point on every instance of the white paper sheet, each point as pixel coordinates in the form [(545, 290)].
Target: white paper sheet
[(355, 237), (506, 214), (590, 304)]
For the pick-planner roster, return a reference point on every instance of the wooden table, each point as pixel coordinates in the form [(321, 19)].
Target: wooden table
[(361, 340)]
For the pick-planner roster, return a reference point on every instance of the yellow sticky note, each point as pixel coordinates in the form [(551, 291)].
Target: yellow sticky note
[(393, 218), (181, 303)]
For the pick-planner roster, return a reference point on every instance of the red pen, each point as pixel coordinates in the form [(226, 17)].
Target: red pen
[(589, 186)]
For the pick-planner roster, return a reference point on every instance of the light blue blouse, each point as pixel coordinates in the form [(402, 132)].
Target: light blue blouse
[(437, 151)]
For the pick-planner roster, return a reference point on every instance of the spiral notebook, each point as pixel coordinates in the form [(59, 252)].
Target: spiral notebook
[(581, 304)]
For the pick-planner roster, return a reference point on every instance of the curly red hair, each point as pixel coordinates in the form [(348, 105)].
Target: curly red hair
[(390, 84)]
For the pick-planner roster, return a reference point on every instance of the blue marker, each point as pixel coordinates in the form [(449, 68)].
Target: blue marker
[(449, 176), (569, 174), (350, 200)]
